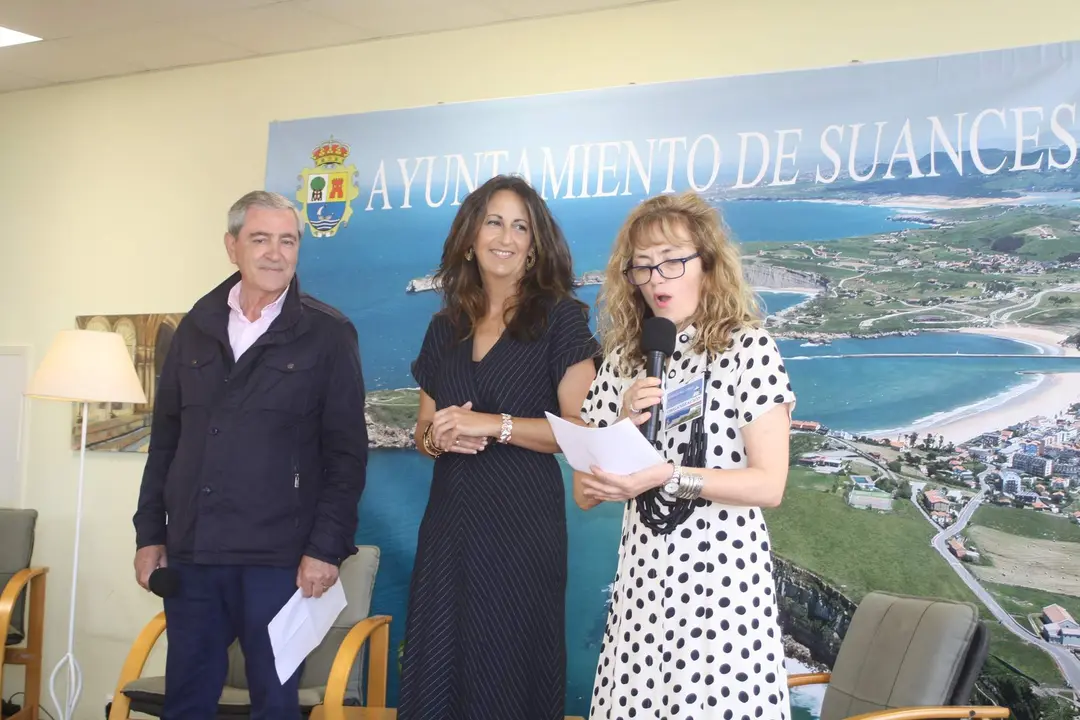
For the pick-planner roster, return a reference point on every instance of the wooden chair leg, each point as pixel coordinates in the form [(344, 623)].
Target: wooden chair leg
[(378, 656), (32, 581), (133, 665), (35, 645)]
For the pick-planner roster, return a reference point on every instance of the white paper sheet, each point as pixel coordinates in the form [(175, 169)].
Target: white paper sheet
[(301, 625), (618, 448)]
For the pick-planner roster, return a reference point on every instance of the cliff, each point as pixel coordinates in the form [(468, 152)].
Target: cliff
[(813, 614), (386, 436), (391, 417), (762, 275)]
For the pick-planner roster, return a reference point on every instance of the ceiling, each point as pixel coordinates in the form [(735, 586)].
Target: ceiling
[(89, 39)]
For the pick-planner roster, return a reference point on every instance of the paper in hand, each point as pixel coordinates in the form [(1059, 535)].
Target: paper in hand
[(618, 448), (301, 625)]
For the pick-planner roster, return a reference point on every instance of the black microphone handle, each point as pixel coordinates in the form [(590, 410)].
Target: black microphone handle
[(164, 582), (654, 367)]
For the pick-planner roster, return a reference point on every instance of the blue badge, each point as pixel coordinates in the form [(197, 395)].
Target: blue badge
[(684, 403)]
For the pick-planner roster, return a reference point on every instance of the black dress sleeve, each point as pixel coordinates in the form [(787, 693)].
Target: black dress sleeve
[(570, 339), (437, 341)]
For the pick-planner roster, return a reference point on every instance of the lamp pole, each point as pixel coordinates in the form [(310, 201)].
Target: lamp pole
[(74, 684)]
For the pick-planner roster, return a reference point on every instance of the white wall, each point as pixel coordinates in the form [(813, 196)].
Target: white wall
[(114, 194), (14, 373)]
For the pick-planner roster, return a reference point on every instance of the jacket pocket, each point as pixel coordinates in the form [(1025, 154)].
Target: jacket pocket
[(289, 383), (201, 374)]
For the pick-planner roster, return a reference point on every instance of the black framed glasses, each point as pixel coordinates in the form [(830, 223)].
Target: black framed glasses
[(669, 269)]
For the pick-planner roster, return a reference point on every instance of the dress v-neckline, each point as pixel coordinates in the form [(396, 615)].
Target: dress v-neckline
[(472, 346)]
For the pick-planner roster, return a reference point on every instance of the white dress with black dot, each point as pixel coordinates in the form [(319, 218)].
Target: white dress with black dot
[(692, 631)]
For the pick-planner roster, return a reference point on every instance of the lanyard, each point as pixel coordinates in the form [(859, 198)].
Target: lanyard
[(658, 513)]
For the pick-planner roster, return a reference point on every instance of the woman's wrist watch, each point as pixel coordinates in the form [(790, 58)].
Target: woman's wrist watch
[(683, 485), (671, 485)]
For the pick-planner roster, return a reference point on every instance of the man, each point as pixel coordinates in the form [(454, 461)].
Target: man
[(258, 455)]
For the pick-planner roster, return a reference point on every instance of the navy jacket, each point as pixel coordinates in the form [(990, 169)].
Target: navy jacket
[(259, 461)]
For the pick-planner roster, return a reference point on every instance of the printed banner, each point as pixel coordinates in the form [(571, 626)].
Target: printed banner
[(913, 229)]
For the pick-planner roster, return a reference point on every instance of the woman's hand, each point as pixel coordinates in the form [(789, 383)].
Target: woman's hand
[(644, 393), (459, 429), (464, 445), (604, 486)]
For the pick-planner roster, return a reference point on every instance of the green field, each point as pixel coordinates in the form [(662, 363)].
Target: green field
[(858, 551), (1053, 309), (1023, 601), (1027, 523), (1025, 657), (899, 272), (806, 479), (394, 408)]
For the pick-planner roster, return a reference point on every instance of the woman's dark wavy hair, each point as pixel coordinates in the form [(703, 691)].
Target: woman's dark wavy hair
[(548, 281)]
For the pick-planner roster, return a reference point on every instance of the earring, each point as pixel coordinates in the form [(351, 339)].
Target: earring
[(530, 259), (469, 254)]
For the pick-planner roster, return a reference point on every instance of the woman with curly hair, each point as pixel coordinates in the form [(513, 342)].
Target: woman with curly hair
[(692, 631), (485, 635)]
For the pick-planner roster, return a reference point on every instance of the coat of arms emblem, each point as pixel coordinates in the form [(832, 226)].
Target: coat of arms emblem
[(327, 190)]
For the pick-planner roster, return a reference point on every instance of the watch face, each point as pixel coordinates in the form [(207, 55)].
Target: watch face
[(671, 486)]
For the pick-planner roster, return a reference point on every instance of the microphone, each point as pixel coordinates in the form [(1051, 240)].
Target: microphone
[(658, 343), (164, 582)]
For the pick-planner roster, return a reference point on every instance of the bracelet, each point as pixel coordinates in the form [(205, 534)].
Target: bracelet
[(690, 486), (507, 429), (429, 444)]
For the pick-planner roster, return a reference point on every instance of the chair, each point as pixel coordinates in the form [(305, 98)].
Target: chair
[(906, 658), (325, 673), (22, 640)]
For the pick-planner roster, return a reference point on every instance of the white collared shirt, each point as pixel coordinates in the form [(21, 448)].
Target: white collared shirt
[(243, 332)]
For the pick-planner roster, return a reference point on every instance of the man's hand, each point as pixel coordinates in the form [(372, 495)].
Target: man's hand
[(147, 560), (315, 576)]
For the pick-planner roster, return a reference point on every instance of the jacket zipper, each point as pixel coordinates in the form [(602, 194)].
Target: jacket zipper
[(296, 499), (296, 477)]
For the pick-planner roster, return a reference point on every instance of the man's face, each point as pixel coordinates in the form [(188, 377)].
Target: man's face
[(266, 249)]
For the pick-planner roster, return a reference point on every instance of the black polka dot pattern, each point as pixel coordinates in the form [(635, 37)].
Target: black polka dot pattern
[(693, 632)]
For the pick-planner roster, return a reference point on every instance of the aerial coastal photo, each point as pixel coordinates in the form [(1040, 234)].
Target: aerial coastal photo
[(933, 342), (916, 254)]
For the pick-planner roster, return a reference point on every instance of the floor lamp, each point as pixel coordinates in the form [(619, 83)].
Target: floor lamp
[(83, 366)]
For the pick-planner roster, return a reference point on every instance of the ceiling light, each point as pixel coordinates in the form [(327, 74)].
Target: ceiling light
[(14, 37)]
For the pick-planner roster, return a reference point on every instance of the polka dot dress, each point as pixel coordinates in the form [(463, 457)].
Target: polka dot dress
[(692, 633)]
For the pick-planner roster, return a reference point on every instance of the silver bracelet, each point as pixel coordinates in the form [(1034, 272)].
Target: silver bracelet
[(690, 486), (507, 429)]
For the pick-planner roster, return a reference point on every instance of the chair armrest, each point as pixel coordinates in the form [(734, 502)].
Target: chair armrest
[(935, 712), (10, 593), (133, 665), (808, 679), (377, 629)]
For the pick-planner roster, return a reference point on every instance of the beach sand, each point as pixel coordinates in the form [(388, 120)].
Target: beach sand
[(1054, 393), (1045, 338), (927, 202)]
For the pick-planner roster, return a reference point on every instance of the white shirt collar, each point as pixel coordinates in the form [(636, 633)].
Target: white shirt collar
[(272, 308)]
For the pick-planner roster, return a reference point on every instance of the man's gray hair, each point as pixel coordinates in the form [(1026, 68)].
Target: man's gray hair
[(263, 199)]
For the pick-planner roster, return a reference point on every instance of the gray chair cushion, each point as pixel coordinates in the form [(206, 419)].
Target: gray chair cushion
[(358, 580), (16, 549), (149, 692), (899, 651)]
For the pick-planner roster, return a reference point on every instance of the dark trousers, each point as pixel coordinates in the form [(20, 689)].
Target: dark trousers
[(217, 604)]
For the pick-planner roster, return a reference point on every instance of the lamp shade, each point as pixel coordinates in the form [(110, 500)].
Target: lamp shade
[(87, 366)]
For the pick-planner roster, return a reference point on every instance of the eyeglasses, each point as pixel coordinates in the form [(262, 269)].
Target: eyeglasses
[(670, 269)]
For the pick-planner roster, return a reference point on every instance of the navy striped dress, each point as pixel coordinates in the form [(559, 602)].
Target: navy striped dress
[(485, 633)]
